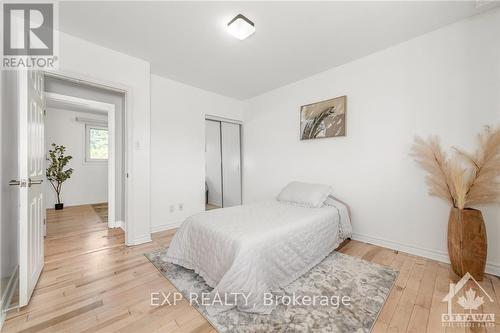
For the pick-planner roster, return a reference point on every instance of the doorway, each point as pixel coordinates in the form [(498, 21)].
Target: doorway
[(223, 163), (89, 121), (86, 121), (98, 101), (86, 130), (100, 129)]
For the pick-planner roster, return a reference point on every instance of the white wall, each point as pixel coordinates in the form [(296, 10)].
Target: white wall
[(89, 182), (178, 147), (446, 82), (213, 170), (90, 61)]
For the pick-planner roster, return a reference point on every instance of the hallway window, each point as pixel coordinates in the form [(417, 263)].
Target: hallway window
[(96, 143)]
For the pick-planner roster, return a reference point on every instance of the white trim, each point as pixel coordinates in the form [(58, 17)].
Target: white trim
[(166, 226), (83, 103), (120, 224), (111, 167), (84, 79), (91, 121), (142, 239), (224, 119), (491, 267), (7, 295)]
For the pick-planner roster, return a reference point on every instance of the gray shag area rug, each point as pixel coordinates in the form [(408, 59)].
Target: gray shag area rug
[(367, 284)]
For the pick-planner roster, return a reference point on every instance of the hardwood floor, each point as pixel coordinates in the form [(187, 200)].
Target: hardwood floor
[(101, 210), (77, 230), (210, 206), (92, 282)]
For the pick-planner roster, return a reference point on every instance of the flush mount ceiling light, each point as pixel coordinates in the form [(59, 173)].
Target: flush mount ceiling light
[(240, 27)]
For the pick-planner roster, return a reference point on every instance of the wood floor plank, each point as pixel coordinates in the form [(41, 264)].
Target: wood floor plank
[(392, 301), (424, 297), (491, 306), (380, 327), (418, 319), (92, 282), (61, 318), (401, 317), (438, 307)]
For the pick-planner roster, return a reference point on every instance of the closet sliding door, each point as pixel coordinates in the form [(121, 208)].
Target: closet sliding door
[(213, 167), (231, 164)]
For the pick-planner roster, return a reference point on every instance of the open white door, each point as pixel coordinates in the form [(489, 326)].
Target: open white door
[(31, 164)]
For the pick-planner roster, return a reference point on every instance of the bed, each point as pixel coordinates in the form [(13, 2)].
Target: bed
[(257, 248)]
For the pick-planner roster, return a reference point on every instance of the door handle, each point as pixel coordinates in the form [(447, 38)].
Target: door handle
[(14, 182), (34, 182)]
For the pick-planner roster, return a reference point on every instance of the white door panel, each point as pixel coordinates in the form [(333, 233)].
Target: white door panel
[(31, 163), (231, 164)]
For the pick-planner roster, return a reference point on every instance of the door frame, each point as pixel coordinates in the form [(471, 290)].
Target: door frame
[(109, 109), (83, 79)]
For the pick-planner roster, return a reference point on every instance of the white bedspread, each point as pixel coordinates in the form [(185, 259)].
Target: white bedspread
[(258, 248)]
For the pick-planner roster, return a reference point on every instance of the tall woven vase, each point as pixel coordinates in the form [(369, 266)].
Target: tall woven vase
[(467, 245)]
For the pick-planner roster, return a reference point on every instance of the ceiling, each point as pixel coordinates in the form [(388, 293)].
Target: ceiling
[(187, 42)]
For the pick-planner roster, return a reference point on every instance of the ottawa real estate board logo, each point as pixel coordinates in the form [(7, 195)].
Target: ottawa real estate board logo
[(29, 40), (468, 305)]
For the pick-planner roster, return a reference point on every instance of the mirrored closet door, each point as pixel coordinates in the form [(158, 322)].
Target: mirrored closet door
[(223, 164)]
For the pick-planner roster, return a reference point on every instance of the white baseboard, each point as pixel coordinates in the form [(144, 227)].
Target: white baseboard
[(141, 240), (165, 226), (7, 295), (491, 267), (119, 224)]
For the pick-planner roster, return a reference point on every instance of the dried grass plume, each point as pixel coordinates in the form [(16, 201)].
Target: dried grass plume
[(466, 179)]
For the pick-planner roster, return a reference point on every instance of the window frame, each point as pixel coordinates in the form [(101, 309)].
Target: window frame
[(88, 159)]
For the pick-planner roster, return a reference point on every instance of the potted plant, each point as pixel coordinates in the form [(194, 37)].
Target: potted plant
[(55, 172), (465, 180)]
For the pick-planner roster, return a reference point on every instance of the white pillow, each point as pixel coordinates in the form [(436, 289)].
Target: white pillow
[(305, 194)]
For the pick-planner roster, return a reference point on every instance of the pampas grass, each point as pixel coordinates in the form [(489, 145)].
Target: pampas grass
[(466, 179), (430, 156)]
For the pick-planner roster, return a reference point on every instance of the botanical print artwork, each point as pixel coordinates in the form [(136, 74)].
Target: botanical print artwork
[(324, 119)]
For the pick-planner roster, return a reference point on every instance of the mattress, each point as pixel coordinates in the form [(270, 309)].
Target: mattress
[(257, 248)]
